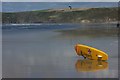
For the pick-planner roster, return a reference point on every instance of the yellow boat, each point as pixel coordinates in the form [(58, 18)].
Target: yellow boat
[(90, 52), (90, 65)]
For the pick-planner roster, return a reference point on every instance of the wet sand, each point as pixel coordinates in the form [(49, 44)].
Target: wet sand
[(49, 52)]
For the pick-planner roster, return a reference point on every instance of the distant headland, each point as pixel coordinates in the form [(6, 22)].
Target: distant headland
[(65, 15)]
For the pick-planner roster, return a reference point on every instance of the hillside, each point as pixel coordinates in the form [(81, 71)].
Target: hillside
[(75, 15)]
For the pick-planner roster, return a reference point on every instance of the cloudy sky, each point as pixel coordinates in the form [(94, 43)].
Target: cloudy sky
[(59, 0)]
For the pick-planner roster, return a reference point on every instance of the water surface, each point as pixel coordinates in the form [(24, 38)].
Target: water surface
[(47, 50), (31, 6)]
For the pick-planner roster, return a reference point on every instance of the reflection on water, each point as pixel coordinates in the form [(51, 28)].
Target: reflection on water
[(90, 65), (48, 51), (90, 32)]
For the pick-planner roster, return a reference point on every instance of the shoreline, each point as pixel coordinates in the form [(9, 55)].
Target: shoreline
[(59, 23)]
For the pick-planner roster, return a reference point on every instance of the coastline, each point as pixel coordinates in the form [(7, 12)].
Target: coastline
[(79, 15), (57, 23)]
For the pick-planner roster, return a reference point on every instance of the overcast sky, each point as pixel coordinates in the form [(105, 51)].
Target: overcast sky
[(59, 0)]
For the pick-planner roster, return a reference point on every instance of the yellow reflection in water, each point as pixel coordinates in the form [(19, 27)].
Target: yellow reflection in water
[(90, 65)]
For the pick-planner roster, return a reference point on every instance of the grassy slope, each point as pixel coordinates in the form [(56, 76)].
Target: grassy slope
[(63, 16)]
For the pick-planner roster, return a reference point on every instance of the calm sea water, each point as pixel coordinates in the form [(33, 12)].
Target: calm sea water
[(47, 50), (29, 6)]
